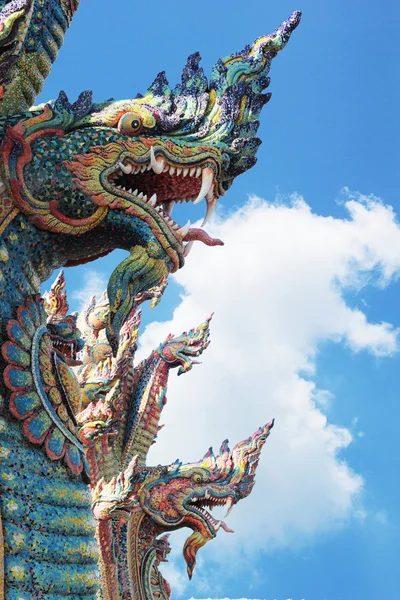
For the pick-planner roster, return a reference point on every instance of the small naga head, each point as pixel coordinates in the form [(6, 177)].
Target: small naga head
[(109, 174), (98, 421), (61, 326), (93, 318), (179, 495), (100, 367), (183, 349)]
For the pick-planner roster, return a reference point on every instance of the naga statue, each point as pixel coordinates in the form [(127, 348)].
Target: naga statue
[(81, 513)]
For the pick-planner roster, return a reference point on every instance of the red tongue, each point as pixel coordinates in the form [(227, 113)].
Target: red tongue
[(195, 234), (225, 527)]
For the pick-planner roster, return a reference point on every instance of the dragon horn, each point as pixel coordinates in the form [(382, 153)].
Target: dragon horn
[(245, 457), (253, 62)]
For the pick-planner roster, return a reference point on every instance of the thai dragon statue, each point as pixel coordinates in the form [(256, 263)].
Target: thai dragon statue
[(78, 180)]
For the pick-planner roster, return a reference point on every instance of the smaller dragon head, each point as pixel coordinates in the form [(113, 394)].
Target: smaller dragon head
[(182, 350), (93, 318), (100, 368), (98, 421), (179, 495), (62, 327)]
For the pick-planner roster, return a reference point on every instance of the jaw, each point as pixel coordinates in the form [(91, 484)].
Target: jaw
[(146, 177), (161, 181), (205, 527), (198, 505)]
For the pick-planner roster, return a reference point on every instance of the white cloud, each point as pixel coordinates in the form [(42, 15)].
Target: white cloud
[(277, 288), (94, 284)]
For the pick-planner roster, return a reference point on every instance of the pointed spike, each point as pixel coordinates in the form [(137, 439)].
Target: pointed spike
[(224, 447), (209, 453), (160, 85)]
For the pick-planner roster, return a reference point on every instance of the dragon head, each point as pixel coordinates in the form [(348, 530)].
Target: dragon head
[(99, 366), (110, 173), (178, 495), (98, 421), (182, 350), (62, 327)]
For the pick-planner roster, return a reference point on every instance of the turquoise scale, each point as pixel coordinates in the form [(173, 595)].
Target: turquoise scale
[(26, 321), (56, 445), (18, 334), (37, 427), (14, 353), (24, 404), (18, 378), (48, 527)]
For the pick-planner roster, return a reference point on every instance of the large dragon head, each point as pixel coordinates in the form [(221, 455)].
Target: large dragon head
[(179, 495), (109, 173)]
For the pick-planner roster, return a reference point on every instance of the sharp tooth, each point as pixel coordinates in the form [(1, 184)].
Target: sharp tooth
[(166, 169), (171, 170), (130, 191), (198, 171), (183, 230), (149, 166), (185, 171), (187, 248), (207, 495), (156, 164), (194, 499), (192, 171), (126, 169), (140, 195), (143, 168), (228, 506), (145, 197), (206, 183), (168, 206), (178, 171), (210, 209), (135, 192), (217, 525), (153, 200)]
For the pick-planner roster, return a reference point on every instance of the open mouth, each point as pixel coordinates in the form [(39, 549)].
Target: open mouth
[(161, 185), (191, 352), (199, 505), (68, 350), (108, 429)]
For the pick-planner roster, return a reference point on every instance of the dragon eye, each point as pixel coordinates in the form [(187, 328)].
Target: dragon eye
[(130, 124), (197, 478)]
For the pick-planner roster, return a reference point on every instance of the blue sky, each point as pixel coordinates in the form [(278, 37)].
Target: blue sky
[(319, 315)]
